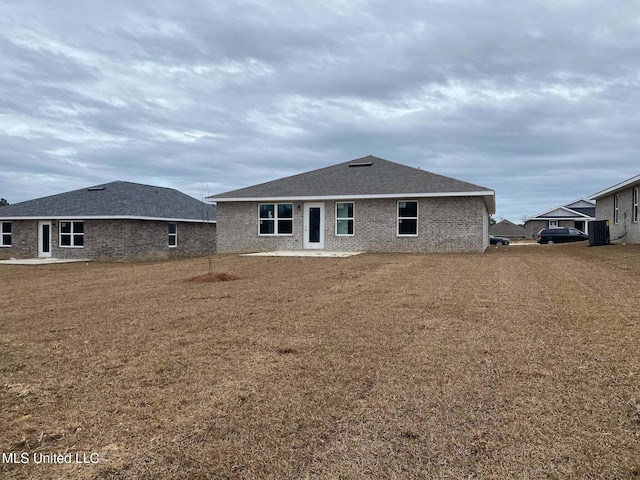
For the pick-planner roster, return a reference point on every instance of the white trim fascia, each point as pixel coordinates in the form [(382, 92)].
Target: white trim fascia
[(491, 205), (558, 218), (487, 193), (105, 217), (566, 205), (618, 186), (561, 207)]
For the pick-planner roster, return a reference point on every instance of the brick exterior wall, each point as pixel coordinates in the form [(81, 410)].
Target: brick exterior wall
[(447, 224), (116, 240), (604, 211), (24, 240)]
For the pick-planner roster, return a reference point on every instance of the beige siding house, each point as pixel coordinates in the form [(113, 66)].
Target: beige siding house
[(619, 205), (117, 221), (367, 204)]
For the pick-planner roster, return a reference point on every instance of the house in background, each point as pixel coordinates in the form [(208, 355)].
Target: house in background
[(619, 205), (505, 228), (576, 214), (368, 204), (117, 221)]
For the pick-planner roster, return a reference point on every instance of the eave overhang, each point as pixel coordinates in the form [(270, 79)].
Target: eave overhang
[(489, 197)]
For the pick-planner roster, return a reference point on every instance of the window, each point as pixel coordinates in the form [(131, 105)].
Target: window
[(634, 208), (408, 218), (172, 240), (615, 208), (72, 234), (275, 219), (344, 218), (5, 234), (553, 223)]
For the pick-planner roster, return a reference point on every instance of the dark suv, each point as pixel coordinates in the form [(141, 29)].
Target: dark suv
[(561, 235)]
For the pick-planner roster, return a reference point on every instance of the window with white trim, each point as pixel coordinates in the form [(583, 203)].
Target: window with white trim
[(553, 223), (172, 238), (408, 218), (5, 234), (615, 208), (275, 219), (71, 234), (634, 206), (344, 218)]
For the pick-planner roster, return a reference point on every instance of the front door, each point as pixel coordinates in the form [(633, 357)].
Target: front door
[(313, 225), (44, 239)]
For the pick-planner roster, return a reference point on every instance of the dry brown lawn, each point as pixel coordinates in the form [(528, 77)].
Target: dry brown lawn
[(523, 362)]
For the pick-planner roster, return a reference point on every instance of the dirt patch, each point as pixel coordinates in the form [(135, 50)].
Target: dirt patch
[(212, 277), (517, 363)]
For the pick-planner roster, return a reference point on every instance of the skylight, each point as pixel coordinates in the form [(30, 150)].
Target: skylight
[(361, 164)]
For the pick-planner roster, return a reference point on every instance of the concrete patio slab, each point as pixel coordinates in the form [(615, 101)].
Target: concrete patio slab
[(301, 253), (41, 261)]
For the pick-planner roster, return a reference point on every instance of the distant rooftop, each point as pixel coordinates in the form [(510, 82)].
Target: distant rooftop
[(114, 200)]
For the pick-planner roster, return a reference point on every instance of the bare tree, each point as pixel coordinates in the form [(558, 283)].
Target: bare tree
[(206, 225)]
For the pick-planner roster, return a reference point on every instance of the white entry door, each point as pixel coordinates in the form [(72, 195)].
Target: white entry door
[(313, 225), (44, 239)]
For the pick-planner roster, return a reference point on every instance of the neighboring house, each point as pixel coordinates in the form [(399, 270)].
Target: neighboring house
[(368, 204), (619, 205), (117, 221), (505, 228), (576, 214)]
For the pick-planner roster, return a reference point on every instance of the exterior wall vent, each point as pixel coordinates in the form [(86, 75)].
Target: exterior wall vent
[(361, 164)]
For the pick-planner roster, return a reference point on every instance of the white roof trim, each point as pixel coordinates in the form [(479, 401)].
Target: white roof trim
[(558, 218), (104, 217), (573, 213), (580, 200), (616, 187), (486, 193)]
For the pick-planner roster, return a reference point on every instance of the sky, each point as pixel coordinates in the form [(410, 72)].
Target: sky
[(537, 100)]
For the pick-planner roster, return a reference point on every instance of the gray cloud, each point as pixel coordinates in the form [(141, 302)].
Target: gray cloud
[(537, 100)]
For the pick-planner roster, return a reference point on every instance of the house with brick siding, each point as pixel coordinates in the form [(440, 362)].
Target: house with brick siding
[(619, 205), (576, 214), (367, 204), (117, 221)]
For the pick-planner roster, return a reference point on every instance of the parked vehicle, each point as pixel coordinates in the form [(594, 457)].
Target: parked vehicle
[(561, 235), (498, 240)]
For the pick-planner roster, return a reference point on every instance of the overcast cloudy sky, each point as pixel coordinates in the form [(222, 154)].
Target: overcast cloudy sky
[(538, 100)]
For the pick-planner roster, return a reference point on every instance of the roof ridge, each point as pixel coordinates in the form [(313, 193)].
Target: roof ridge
[(292, 179)]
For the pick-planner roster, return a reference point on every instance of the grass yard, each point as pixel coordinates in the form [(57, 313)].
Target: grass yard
[(523, 362)]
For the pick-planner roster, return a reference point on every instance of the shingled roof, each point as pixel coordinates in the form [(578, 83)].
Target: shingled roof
[(367, 177), (114, 200), (505, 228)]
